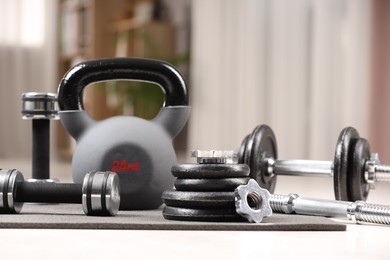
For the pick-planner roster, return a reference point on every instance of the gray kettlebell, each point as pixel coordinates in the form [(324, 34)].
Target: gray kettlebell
[(139, 150)]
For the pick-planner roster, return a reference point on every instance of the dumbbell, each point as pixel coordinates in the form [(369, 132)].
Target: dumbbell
[(41, 108), (99, 193), (354, 169)]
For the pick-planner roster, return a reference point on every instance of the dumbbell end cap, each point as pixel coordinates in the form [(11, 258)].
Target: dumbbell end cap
[(101, 196), (8, 179), (113, 198), (39, 106)]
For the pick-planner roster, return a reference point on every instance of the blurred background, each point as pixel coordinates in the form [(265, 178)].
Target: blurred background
[(306, 68)]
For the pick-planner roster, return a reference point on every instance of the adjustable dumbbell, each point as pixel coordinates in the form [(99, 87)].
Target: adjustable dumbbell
[(354, 169), (41, 108), (99, 193)]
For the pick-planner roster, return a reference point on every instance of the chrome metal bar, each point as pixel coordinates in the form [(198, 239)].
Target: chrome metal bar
[(303, 168)]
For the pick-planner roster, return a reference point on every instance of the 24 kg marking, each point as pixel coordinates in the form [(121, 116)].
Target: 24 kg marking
[(124, 166)]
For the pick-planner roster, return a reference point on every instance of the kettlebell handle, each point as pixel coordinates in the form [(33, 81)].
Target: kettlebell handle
[(70, 90)]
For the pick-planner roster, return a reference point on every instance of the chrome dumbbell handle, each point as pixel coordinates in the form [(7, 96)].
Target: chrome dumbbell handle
[(375, 172), (300, 167), (358, 211)]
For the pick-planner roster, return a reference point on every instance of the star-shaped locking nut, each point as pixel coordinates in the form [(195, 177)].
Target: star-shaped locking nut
[(252, 201)]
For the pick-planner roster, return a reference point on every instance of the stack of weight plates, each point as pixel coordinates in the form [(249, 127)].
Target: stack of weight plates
[(205, 191)]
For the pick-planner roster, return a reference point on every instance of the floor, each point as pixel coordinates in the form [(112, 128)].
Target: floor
[(358, 242)]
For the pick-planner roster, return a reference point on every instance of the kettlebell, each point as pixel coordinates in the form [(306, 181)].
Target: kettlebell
[(140, 151)]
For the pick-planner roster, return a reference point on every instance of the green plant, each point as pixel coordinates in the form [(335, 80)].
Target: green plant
[(143, 99)]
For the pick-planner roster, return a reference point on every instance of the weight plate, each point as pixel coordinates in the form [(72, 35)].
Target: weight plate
[(261, 146), (224, 184), (358, 188), (343, 154), (198, 171), (198, 200), (213, 215), (241, 152)]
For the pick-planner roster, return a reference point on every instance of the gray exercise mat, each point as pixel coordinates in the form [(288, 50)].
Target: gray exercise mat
[(69, 216)]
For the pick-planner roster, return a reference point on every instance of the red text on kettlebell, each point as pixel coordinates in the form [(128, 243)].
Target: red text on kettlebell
[(124, 166)]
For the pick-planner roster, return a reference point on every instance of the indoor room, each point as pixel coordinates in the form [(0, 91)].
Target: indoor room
[(199, 129)]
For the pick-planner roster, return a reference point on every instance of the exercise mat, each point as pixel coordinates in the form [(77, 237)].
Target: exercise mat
[(71, 216)]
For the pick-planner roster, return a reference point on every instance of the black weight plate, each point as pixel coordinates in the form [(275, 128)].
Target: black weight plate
[(224, 184), (341, 166), (198, 199), (357, 186), (241, 152), (212, 215), (199, 171), (261, 146)]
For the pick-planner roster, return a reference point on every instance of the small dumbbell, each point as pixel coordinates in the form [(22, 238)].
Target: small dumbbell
[(99, 193), (354, 169), (41, 108)]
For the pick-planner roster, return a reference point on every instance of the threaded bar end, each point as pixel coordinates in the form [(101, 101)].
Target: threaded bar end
[(382, 173), (373, 213), (278, 202), (282, 203)]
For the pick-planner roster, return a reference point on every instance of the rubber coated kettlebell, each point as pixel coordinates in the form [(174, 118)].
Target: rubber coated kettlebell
[(139, 150)]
